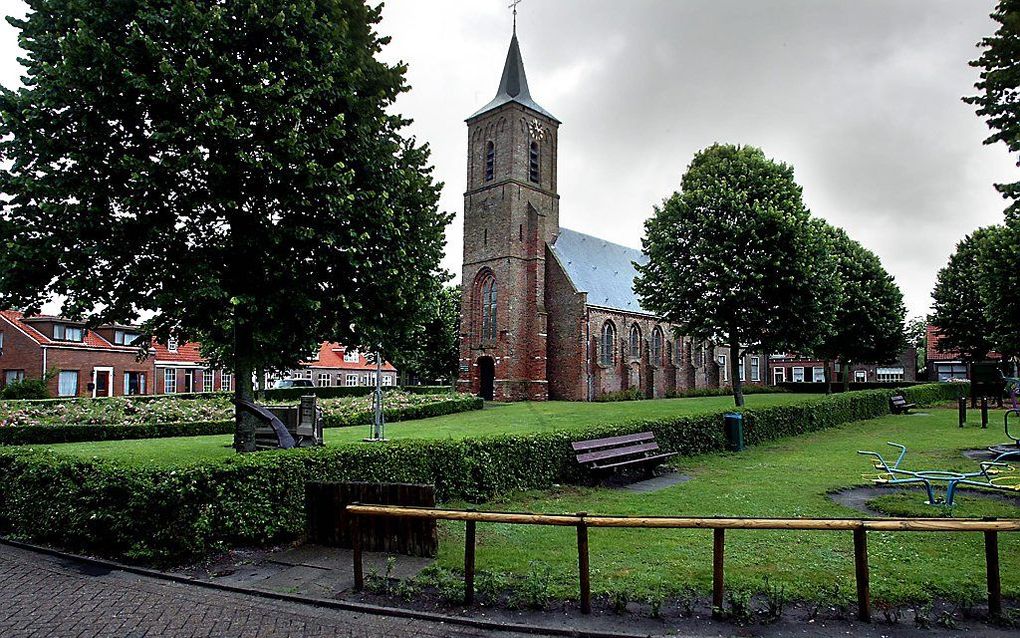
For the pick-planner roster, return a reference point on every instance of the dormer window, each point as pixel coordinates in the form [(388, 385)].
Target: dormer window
[(351, 356), (490, 161), (171, 344), (533, 174), (124, 337), (63, 332)]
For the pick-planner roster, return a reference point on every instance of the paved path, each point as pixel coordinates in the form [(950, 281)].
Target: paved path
[(46, 596)]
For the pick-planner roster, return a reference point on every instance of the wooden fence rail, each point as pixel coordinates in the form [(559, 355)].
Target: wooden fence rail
[(582, 522)]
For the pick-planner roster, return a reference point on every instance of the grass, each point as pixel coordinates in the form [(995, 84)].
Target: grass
[(787, 478), (496, 418)]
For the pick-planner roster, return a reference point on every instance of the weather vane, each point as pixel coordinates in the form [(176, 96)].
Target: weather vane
[(513, 5)]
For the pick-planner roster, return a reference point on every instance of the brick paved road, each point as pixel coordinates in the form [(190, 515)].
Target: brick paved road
[(46, 596)]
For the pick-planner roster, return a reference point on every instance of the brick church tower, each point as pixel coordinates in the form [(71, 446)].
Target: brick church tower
[(511, 212)]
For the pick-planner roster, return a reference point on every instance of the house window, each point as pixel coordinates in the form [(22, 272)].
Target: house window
[(490, 161), (755, 368), (67, 383), (490, 296), (124, 337), (351, 356), (779, 375), (721, 360), (352, 380), (798, 374), (860, 376), (67, 333), (169, 381), (226, 380), (134, 383), (323, 380), (171, 344), (657, 346), (364, 379), (533, 163), (387, 380), (818, 374), (207, 381), (608, 343), (13, 376), (949, 371), (635, 341), (889, 375), (743, 372)]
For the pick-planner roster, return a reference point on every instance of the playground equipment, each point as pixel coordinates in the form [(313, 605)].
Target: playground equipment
[(1009, 450), (992, 475)]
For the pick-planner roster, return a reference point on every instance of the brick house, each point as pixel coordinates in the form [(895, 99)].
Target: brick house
[(180, 368), (336, 365), (86, 363), (797, 369), (549, 312), (946, 366)]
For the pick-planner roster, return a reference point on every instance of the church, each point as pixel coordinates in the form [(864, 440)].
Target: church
[(547, 312)]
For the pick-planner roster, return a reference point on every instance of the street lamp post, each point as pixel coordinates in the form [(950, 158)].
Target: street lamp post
[(379, 419)]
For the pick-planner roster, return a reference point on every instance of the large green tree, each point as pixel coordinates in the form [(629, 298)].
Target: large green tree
[(999, 284), (733, 258), (996, 100), (231, 172), (434, 354), (959, 309), (868, 320)]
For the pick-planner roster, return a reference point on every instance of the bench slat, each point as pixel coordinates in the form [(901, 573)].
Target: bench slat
[(616, 453), (643, 459), (611, 441)]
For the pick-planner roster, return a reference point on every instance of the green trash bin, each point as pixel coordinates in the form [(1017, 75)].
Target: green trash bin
[(734, 428)]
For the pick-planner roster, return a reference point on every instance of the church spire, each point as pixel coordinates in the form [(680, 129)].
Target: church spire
[(513, 86)]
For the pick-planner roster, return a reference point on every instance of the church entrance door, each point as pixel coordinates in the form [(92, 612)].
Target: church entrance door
[(486, 376)]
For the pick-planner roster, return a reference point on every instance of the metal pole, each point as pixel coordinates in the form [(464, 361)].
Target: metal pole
[(583, 567), (962, 406), (861, 572), (718, 545), (992, 572), (984, 413)]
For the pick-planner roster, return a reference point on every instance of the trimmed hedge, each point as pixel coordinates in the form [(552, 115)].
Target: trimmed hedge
[(49, 434), (166, 515), (934, 393), (811, 387)]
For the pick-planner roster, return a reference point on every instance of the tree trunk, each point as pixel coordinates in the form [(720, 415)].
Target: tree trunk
[(828, 377), (846, 376), (245, 421), (735, 366)]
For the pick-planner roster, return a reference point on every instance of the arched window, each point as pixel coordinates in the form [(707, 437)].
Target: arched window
[(608, 343), (533, 163), (657, 346), (489, 298), (635, 341), (678, 354), (490, 161)]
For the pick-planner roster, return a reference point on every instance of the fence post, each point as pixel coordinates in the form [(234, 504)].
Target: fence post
[(861, 572), (992, 572), (359, 570), (984, 413), (583, 568), (961, 405), (718, 545), (469, 562)]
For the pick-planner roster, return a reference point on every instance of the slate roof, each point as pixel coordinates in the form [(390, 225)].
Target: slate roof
[(513, 86), (600, 268)]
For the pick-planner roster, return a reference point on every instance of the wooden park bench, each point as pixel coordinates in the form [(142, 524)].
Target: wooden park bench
[(286, 426), (618, 452), (898, 404)]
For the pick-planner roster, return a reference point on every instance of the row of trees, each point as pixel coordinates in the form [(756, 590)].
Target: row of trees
[(231, 173), (736, 258), (977, 294)]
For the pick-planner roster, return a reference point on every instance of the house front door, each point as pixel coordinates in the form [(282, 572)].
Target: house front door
[(102, 382)]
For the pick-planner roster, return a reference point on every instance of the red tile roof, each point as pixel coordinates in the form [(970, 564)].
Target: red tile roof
[(932, 352), (331, 355), (187, 352), (92, 338)]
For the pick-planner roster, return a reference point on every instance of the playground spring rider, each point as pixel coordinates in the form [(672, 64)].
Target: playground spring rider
[(1009, 450), (992, 475)]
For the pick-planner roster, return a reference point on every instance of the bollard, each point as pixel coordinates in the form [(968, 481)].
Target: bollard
[(962, 404), (984, 413)]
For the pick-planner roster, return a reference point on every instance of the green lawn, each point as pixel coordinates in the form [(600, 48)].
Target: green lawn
[(496, 418), (787, 478)]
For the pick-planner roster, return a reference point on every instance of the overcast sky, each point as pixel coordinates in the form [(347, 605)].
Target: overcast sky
[(862, 97)]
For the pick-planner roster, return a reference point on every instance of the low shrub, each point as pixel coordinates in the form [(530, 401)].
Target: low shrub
[(725, 392), (934, 393), (163, 515), (820, 387), (26, 389), (633, 394)]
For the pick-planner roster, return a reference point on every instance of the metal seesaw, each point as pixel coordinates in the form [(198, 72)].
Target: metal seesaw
[(992, 475)]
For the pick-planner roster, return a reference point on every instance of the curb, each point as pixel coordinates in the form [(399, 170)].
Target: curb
[(364, 608)]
